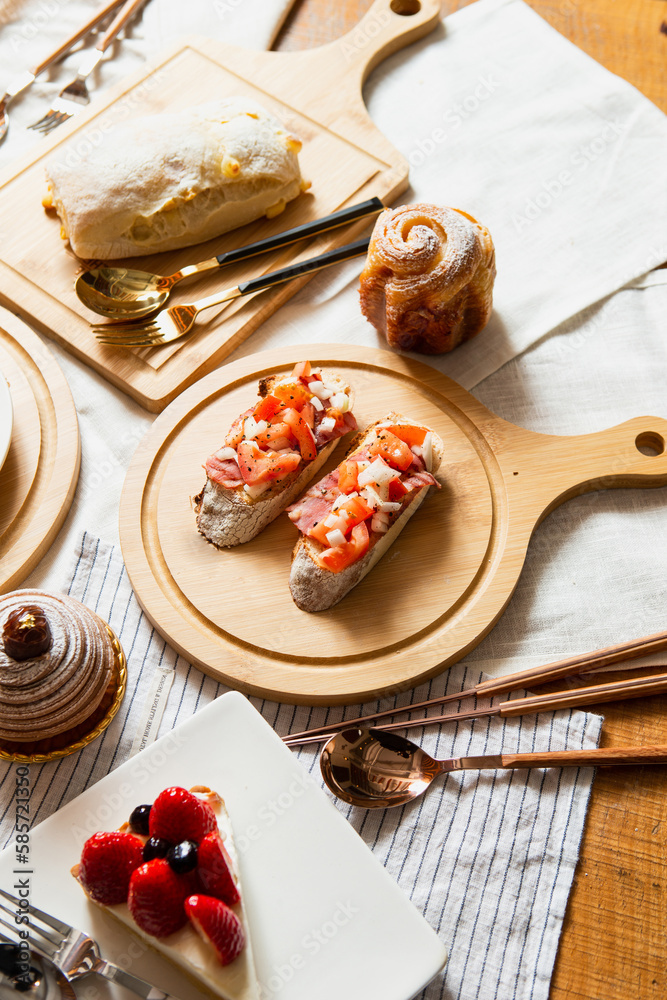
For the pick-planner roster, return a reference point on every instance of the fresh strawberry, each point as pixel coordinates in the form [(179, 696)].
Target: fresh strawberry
[(214, 868), (156, 898), (179, 815), (107, 862), (217, 924)]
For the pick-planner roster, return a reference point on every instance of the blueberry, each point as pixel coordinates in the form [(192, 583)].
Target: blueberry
[(182, 857), (139, 820), (156, 847)]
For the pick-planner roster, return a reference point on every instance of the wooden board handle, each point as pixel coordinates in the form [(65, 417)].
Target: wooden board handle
[(586, 758), (386, 27), (541, 471), (341, 66)]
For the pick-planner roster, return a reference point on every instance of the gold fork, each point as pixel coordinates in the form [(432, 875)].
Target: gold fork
[(76, 93), (170, 324)]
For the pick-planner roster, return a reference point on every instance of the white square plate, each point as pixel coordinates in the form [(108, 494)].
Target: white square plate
[(325, 918)]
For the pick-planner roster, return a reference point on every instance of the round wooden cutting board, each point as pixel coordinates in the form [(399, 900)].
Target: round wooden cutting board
[(431, 598), (40, 473)]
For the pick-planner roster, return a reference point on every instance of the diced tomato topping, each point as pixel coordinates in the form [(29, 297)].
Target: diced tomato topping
[(294, 394), (267, 408), (302, 432), (348, 471), (406, 432), (301, 369), (235, 433), (261, 466), (394, 451), (277, 431), (349, 514), (339, 557), (396, 490)]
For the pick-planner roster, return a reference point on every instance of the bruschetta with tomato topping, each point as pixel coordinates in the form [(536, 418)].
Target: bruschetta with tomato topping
[(349, 519), (271, 452)]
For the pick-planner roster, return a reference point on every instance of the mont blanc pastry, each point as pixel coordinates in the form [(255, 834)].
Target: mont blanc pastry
[(428, 280), (170, 180), (57, 670)]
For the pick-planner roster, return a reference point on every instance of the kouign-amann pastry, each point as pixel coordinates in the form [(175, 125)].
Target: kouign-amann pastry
[(57, 669), (428, 281), (170, 180)]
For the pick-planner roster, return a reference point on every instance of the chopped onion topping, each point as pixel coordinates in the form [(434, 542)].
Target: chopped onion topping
[(319, 389), (340, 401), (317, 403), (252, 427), (427, 451), (256, 491), (378, 524), (227, 453), (371, 497), (335, 537), (377, 472), (343, 498), (390, 507), (330, 520), (327, 424)]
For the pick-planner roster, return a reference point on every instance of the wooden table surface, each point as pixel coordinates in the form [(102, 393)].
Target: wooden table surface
[(614, 941)]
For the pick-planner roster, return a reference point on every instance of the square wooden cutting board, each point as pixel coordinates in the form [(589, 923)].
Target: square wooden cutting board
[(316, 94)]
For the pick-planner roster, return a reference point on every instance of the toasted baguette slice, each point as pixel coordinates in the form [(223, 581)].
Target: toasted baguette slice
[(314, 588), (228, 517)]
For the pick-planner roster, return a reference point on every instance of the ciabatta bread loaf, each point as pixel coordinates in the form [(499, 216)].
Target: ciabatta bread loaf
[(170, 180)]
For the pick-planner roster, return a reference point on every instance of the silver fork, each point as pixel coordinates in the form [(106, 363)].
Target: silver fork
[(75, 94), (170, 324), (74, 952)]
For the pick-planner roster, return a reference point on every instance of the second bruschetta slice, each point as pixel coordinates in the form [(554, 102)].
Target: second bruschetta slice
[(350, 518), (271, 453)]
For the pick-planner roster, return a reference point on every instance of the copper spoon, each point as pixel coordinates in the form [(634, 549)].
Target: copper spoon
[(377, 770)]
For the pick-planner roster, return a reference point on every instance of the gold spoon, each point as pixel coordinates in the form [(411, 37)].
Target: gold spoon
[(125, 293), (378, 770)]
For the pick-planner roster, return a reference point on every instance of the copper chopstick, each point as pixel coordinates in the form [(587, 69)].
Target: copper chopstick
[(637, 687), (568, 667)]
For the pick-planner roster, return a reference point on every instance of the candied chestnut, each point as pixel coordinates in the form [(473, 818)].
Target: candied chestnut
[(26, 633)]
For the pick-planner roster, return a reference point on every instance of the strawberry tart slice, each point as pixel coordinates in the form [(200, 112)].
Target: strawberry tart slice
[(169, 874)]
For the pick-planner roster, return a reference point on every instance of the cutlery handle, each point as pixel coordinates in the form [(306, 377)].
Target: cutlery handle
[(574, 664), (119, 22), (587, 758), (314, 228), (638, 687), (346, 252), (73, 39), (139, 986)]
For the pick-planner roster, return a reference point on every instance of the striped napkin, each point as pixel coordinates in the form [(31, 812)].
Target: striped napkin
[(488, 857)]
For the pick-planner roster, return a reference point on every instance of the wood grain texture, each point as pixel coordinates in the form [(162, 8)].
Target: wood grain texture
[(613, 942), (40, 473), (462, 553), (317, 95)]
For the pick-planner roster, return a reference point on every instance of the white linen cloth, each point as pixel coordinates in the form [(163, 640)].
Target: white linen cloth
[(596, 570), (487, 856)]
